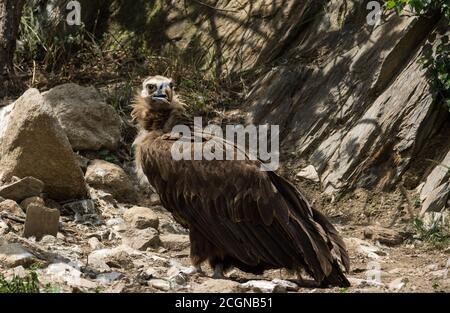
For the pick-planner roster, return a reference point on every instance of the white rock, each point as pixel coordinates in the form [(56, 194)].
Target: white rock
[(95, 244), (310, 173), (288, 285), (68, 274), (397, 284), (262, 286), (160, 284)]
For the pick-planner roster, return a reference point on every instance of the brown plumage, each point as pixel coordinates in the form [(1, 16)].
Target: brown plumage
[(237, 215)]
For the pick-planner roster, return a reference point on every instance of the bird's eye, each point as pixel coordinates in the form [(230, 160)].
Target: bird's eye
[(151, 87)]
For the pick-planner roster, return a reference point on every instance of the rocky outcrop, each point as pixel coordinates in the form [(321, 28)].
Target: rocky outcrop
[(34, 144), (88, 122)]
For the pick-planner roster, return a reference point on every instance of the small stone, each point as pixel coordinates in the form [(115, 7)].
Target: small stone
[(175, 242), (22, 189), (108, 278), (41, 221), (105, 259), (13, 254), (95, 244), (110, 178), (141, 217), (32, 200), (160, 284), (397, 284), (48, 240), (289, 286), (10, 206), (141, 239), (262, 286)]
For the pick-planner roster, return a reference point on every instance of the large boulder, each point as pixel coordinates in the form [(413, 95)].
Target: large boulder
[(89, 123), (34, 144), (110, 178)]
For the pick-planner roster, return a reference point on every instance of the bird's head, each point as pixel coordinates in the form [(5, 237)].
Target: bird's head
[(156, 98), (158, 92)]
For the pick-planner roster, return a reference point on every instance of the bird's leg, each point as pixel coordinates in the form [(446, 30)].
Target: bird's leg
[(218, 271)]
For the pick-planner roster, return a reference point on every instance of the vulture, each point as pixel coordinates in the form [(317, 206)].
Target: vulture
[(237, 215)]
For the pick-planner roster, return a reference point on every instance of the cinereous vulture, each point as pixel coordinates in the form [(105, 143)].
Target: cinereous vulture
[(237, 215)]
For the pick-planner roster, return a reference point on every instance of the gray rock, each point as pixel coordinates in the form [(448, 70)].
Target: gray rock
[(13, 254), (110, 178), (141, 217), (436, 200), (22, 189), (82, 207), (108, 278), (141, 239), (34, 144), (88, 122), (41, 221)]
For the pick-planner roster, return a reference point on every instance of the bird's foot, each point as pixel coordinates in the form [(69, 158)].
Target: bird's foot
[(192, 270), (218, 272)]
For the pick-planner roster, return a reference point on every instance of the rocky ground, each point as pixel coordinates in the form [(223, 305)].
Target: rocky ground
[(120, 239)]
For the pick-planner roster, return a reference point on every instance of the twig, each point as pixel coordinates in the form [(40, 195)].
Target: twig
[(12, 218), (215, 8), (409, 205)]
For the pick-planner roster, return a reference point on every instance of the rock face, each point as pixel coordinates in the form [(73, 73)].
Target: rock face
[(436, 200), (22, 189), (89, 123), (34, 144), (110, 178), (350, 98)]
